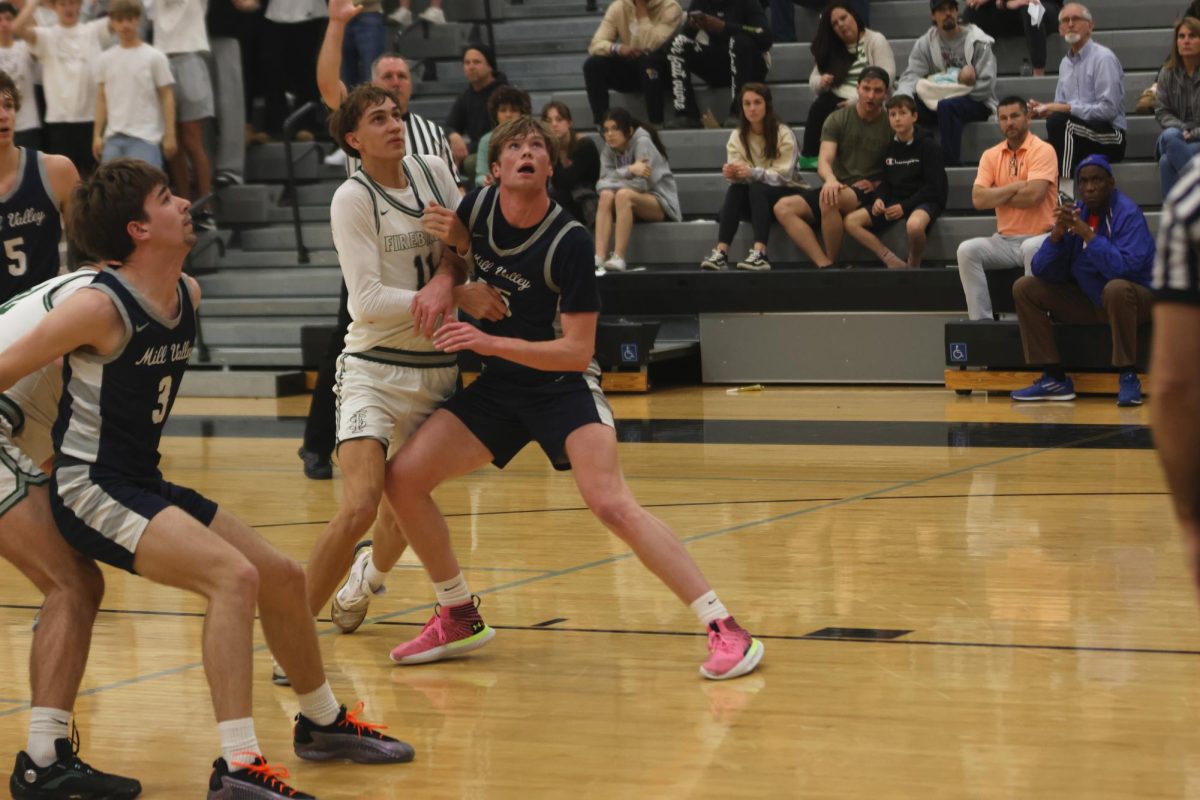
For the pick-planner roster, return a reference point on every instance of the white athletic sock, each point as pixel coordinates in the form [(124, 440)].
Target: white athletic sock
[(708, 608), (238, 741), (375, 576), (320, 705), (46, 725), (453, 592)]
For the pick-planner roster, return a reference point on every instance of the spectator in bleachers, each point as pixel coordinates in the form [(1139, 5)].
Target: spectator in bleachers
[(390, 72), (724, 42), (180, 33), (842, 47), (17, 62), (783, 15), (626, 54), (67, 52), (434, 15), (853, 142), (135, 104), (227, 22), (635, 184), (953, 68), (469, 120), (1094, 268), (1016, 178), (1177, 104), (914, 188), (573, 183), (1004, 18), (292, 37), (506, 103), (364, 41), (760, 165), (1088, 112)]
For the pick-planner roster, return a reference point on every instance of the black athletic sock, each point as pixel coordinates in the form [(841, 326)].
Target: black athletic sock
[(1056, 372)]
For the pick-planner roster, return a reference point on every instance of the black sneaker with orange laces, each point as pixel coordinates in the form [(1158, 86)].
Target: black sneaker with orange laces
[(253, 779), (68, 776), (348, 737)]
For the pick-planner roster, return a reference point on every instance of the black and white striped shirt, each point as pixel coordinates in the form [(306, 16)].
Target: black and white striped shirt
[(422, 138), (1177, 265)]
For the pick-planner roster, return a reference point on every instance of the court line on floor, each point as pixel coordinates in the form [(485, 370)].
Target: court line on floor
[(137, 679)]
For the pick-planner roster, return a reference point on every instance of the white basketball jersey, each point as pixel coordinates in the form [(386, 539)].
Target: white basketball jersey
[(34, 398), (382, 246)]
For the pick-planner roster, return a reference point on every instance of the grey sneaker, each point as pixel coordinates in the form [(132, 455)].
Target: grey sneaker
[(348, 737), (349, 607), (755, 262), (278, 676), (717, 259)]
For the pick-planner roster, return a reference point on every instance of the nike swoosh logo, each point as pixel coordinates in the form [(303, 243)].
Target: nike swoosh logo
[(381, 213), (142, 327)]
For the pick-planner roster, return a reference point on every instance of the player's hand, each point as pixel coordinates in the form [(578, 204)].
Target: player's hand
[(481, 301), (454, 337), (97, 146), (343, 10), (434, 301), (444, 224), (169, 146), (893, 212)]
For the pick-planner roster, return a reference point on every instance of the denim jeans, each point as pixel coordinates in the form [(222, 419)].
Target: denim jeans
[(365, 41), (119, 145), (1174, 153)]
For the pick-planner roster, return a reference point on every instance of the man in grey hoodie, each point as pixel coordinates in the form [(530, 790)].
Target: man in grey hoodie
[(951, 45)]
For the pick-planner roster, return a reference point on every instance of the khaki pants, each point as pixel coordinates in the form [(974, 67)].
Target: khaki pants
[(1040, 303)]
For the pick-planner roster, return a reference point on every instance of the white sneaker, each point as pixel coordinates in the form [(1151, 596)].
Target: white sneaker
[(434, 16), (349, 607), (403, 17), (615, 264), (278, 676), (336, 159)]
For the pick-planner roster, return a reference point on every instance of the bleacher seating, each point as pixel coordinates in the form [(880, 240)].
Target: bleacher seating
[(261, 295)]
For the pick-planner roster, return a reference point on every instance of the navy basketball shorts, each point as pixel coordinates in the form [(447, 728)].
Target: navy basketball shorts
[(103, 515), (506, 416)]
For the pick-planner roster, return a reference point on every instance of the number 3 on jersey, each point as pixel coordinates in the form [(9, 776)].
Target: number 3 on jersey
[(16, 258), (164, 399)]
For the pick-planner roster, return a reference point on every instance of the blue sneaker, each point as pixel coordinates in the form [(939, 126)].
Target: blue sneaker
[(1046, 388), (1130, 392)]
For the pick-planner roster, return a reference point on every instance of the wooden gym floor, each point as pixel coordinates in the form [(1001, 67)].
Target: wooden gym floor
[(959, 598)]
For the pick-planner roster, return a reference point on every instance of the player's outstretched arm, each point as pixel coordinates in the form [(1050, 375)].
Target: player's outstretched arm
[(85, 319), (329, 59), (570, 353)]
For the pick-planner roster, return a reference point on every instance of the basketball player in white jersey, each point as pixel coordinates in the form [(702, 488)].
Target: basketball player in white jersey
[(71, 583), (390, 377)]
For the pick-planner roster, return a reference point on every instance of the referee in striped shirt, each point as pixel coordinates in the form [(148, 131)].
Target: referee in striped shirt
[(422, 137), (1175, 366)]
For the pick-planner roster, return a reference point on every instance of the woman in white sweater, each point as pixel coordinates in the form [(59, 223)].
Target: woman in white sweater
[(760, 165), (842, 47), (635, 183)]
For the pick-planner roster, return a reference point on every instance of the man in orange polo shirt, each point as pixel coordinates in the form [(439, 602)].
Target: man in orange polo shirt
[(1017, 178)]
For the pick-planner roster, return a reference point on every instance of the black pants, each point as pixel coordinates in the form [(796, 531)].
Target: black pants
[(73, 140), (735, 64), (823, 105), (295, 44), (320, 429), (646, 75), (1015, 22), (752, 201), (1075, 139)]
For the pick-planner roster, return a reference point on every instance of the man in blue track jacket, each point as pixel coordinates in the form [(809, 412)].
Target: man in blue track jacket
[(1093, 268)]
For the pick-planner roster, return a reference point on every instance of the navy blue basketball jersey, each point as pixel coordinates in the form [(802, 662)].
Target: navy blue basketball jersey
[(113, 407), (30, 229), (538, 271)]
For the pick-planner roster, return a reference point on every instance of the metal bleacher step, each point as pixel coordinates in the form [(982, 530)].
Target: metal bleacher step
[(243, 260), (303, 281), (255, 356), (272, 306), (202, 382)]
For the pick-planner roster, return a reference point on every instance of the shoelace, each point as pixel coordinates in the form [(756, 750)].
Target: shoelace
[(361, 727), (260, 769)]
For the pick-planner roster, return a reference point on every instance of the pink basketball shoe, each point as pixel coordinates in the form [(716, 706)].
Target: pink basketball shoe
[(732, 651), (449, 633)]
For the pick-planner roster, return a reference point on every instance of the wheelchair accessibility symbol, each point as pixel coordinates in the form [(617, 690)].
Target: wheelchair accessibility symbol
[(629, 354), (958, 351)]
